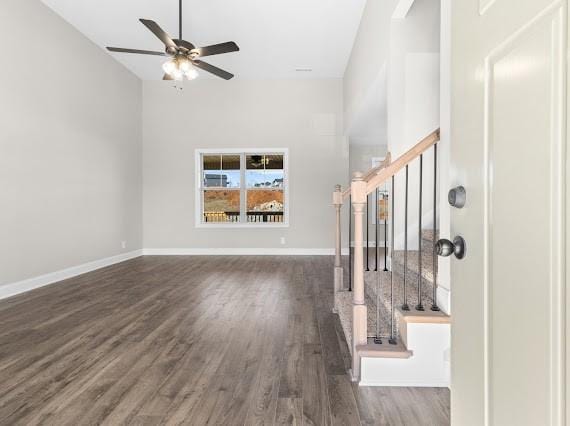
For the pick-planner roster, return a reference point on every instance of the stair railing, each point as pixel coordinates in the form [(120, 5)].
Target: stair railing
[(361, 186), (339, 196)]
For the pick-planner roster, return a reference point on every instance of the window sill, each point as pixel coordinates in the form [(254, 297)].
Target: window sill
[(242, 225)]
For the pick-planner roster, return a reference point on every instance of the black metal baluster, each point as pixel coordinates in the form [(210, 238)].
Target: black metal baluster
[(367, 232), (376, 233), (350, 243), (405, 306), (434, 306), (420, 306), (392, 340), (377, 339)]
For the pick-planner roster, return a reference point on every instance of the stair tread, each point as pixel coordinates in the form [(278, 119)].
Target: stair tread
[(413, 263), (428, 316), (379, 321), (381, 280), (427, 234), (384, 350)]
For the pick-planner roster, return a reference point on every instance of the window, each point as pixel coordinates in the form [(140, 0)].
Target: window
[(380, 213), (242, 188)]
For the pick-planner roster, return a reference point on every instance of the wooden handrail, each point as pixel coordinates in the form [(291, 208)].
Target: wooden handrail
[(385, 170), (410, 155), (375, 170), (371, 173)]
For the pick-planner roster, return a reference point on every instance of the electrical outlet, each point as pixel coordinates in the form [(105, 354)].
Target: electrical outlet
[(123, 244), (283, 240)]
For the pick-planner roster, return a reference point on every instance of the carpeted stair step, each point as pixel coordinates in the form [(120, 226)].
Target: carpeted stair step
[(378, 287), (427, 235), (343, 306), (413, 262)]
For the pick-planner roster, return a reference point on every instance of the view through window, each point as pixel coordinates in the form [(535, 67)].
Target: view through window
[(247, 187)]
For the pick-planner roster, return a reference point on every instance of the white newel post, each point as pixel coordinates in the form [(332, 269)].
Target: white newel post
[(338, 271), (359, 315)]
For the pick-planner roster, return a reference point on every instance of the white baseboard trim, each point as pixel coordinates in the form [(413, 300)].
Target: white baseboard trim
[(13, 289), (406, 384), (238, 252)]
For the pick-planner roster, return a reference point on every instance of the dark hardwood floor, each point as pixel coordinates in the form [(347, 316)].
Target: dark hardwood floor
[(192, 340)]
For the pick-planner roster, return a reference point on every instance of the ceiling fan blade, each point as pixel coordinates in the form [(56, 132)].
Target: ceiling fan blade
[(159, 32), (140, 52), (167, 77), (214, 70), (216, 49)]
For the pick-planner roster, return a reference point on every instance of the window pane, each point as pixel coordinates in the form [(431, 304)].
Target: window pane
[(264, 179), (224, 179), (221, 206), (231, 179), (230, 162), (212, 180), (212, 162), (254, 162), (262, 162), (274, 162), (265, 205), (382, 209)]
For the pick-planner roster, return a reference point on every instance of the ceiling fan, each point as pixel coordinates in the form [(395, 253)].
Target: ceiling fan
[(184, 56)]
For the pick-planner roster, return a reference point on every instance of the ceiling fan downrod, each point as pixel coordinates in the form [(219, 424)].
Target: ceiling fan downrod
[(180, 19)]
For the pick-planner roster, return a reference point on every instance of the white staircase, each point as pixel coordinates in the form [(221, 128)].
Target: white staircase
[(422, 357), (391, 346)]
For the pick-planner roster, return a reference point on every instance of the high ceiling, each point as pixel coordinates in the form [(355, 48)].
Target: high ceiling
[(276, 37)]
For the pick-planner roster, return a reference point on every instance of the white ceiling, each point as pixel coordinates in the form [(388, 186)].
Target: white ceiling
[(275, 36)]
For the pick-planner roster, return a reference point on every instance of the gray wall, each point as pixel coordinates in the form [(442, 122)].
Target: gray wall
[(361, 161), (361, 156), (241, 114), (368, 56), (413, 108), (70, 147)]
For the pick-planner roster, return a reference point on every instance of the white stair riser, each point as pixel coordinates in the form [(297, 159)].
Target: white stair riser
[(428, 366)]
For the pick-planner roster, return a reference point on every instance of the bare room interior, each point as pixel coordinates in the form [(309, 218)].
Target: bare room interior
[(322, 212)]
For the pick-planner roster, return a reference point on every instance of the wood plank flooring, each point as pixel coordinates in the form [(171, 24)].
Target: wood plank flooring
[(192, 340)]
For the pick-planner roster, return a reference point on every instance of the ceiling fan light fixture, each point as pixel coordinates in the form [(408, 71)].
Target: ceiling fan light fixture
[(192, 74), (170, 67), (180, 67), (184, 64), (178, 75)]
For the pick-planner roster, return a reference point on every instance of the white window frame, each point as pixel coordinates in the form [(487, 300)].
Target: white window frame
[(243, 190)]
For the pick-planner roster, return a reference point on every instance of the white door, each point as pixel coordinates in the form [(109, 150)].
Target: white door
[(508, 149)]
